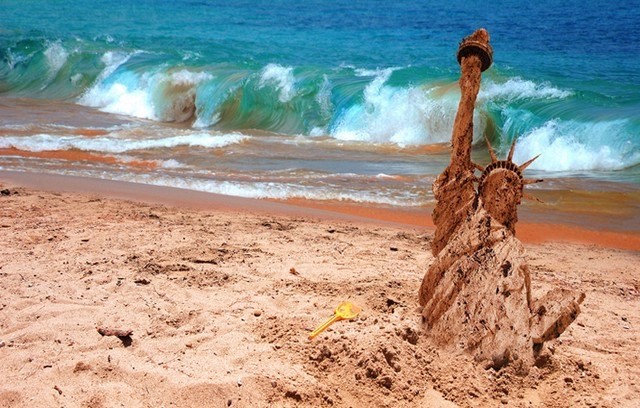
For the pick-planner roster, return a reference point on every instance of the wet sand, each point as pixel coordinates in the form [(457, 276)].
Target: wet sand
[(528, 230), (221, 293)]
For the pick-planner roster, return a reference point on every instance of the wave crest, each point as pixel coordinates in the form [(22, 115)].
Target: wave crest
[(573, 146), (404, 116), (518, 89), (163, 96), (282, 78)]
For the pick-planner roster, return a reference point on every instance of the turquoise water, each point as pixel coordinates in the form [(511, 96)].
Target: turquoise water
[(350, 100)]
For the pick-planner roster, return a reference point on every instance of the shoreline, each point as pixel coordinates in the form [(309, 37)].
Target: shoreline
[(527, 230)]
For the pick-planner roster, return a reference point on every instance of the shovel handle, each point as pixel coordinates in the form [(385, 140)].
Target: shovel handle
[(324, 326)]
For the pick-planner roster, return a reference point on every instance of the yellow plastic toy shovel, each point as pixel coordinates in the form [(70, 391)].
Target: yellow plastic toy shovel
[(344, 311)]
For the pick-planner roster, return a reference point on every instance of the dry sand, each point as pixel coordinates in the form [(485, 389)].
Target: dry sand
[(221, 302)]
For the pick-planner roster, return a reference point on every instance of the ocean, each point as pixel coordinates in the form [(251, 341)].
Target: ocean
[(333, 101)]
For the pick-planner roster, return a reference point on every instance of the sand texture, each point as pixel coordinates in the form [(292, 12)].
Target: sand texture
[(220, 304)]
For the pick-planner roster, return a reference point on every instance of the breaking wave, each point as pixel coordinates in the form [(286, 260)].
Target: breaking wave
[(570, 146), (401, 106)]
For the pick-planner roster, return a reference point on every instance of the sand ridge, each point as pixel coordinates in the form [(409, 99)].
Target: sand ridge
[(221, 303)]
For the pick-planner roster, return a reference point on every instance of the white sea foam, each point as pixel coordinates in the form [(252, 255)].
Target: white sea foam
[(112, 61), (171, 164), (324, 97), (282, 78), (404, 116), (127, 95), (273, 190), (56, 57), (115, 97), (191, 55), (188, 78), (122, 99), (378, 73), (575, 146), (45, 142), (152, 95), (517, 88)]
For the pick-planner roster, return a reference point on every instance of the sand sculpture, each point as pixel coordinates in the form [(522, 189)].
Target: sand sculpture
[(477, 293)]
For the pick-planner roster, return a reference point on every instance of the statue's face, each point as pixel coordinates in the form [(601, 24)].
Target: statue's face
[(501, 192)]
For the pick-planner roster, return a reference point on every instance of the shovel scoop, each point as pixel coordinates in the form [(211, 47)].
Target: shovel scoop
[(344, 311)]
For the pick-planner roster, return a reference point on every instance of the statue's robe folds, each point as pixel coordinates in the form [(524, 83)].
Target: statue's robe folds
[(477, 296)]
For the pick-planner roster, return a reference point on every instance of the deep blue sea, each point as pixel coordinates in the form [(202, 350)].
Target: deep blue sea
[(325, 100)]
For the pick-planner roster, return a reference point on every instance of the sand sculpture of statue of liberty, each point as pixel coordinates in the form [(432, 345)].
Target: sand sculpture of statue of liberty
[(477, 293)]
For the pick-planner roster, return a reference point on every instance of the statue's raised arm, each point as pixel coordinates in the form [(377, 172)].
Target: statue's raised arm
[(454, 189), (475, 55)]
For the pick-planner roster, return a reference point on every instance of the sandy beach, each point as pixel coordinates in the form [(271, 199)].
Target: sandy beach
[(189, 189), (221, 295)]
